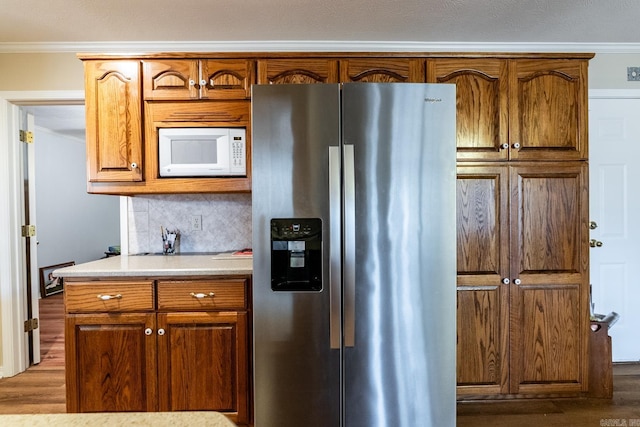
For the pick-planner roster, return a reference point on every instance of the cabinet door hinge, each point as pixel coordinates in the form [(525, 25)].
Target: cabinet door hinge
[(30, 324), (26, 136), (28, 230)]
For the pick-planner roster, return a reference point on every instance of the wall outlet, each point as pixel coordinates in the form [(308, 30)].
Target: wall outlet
[(633, 74), (196, 223)]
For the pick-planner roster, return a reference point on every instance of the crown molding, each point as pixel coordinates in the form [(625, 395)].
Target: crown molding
[(311, 46)]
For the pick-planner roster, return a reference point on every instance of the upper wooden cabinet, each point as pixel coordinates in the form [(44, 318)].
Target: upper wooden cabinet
[(548, 109), (114, 125), (297, 71), (183, 79), (331, 70), (510, 107), (122, 140), (382, 70), (517, 109)]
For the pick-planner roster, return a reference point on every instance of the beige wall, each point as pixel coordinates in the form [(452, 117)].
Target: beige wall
[(609, 71), (40, 71)]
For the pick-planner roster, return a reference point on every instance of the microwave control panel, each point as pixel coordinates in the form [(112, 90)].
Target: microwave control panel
[(238, 149)]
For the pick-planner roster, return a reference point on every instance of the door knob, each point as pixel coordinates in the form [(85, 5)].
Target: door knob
[(595, 243), (593, 225)]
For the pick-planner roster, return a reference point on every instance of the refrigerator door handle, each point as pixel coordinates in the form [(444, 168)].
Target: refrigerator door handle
[(349, 247), (335, 264)]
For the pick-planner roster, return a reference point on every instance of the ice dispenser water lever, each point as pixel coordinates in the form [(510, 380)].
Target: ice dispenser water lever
[(296, 254)]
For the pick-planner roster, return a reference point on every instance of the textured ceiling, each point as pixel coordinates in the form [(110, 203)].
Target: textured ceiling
[(421, 21)]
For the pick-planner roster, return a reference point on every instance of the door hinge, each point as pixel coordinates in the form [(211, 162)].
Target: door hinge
[(26, 136), (28, 230), (30, 324)]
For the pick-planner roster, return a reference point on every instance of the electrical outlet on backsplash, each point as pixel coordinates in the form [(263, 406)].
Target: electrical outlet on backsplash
[(225, 223)]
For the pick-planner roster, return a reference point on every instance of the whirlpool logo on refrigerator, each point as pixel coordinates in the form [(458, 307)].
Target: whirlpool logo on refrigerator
[(432, 100)]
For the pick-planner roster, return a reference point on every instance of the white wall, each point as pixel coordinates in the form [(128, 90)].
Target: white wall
[(72, 225)]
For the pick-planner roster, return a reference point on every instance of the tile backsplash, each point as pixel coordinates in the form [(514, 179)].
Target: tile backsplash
[(226, 222)]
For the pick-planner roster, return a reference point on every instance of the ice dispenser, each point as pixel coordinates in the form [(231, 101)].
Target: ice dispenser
[(296, 254)]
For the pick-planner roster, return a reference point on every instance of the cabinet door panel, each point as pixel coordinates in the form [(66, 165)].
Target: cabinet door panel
[(482, 260), (549, 219), (218, 381), (482, 110), (550, 336), (481, 315), (548, 339), (382, 70), (114, 120), (170, 79), (548, 109), (226, 79), (550, 287), (482, 220), (297, 71), (110, 363)]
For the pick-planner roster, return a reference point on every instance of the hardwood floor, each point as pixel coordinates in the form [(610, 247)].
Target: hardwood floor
[(622, 410), (41, 389)]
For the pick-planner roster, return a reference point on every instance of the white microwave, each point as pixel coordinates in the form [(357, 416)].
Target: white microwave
[(202, 151)]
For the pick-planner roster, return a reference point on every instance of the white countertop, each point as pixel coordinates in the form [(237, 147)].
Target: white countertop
[(113, 419), (161, 265)]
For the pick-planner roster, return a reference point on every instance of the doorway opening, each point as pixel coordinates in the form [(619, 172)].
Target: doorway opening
[(68, 220)]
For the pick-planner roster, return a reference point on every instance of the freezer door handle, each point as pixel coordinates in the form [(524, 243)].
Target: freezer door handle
[(349, 247), (335, 268)]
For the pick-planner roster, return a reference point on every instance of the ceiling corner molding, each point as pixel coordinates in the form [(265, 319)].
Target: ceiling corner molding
[(311, 46)]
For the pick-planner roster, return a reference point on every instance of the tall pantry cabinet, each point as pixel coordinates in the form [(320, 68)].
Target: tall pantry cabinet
[(522, 223)]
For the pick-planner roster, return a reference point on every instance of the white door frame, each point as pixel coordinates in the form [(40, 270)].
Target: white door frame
[(13, 304)]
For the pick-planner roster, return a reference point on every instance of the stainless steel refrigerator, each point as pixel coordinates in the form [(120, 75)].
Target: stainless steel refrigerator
[(354, 255)]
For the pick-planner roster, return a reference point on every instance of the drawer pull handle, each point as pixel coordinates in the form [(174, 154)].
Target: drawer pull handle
[(109, 297), (201, 295)]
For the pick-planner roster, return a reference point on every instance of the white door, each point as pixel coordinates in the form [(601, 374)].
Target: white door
[(614, 150)]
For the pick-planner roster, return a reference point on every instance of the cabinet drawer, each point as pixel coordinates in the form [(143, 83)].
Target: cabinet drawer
[(108, 296), (202, 294)]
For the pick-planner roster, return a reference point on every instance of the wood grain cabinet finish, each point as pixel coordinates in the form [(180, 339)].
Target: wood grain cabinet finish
[(522, 278), (297, 71), (549, 295), (203, 354), (110, 362), (548, 109), (183, 79), (482, 93), (190, 351), (517, 109), (341, 70), (483, 264), (382, 70), (114, 121)]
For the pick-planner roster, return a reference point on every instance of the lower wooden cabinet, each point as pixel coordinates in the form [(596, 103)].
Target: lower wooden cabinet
[(187, 381), (190, 350)]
